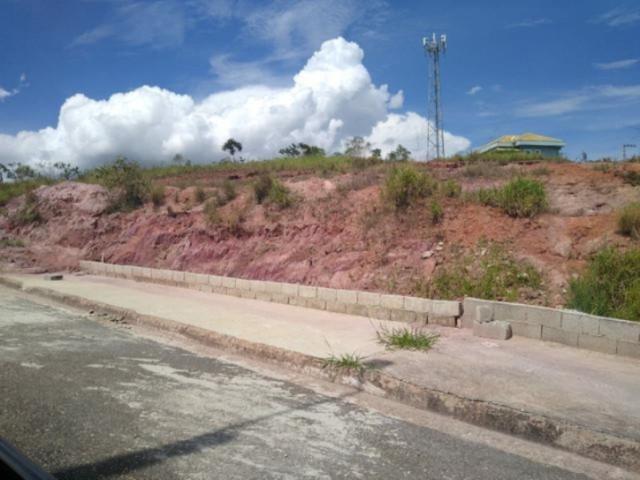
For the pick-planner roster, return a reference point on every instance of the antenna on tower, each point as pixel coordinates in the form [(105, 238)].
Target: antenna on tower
[(434, 47)]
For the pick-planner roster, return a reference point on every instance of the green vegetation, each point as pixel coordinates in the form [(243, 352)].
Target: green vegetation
[(228, 192), (610, 285), (450, 188), (11, 242), (126, 181), (629, 220), (405, 185), (631, 177), (406, 338), (541, 171), (491, 274), (273, 191), (437, 212), (157, 195), (483, 169), (29, 213), (521, 197), (211, 214), (11, 190), (400, 154), (347, 361), (201, 196), (505, 157)]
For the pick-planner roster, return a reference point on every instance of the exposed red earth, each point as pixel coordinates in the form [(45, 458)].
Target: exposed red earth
[(338, 233)]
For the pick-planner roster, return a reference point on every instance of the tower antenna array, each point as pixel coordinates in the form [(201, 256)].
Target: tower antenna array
[(434, 47)]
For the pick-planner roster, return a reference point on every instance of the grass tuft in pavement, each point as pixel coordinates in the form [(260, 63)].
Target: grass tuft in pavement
[(346, 361), (406, 338)]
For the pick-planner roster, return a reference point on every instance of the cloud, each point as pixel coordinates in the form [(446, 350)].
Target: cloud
[(619, 17), (330, 99), (589, 98), (397, 100), (158, 25), (475, 89), (532, 22), (4, 94), (617, 65)]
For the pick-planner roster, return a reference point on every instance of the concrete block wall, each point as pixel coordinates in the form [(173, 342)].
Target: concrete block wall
[(368, 304), (577, 329)]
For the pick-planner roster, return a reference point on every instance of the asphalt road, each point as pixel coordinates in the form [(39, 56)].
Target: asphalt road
[(85, 399)]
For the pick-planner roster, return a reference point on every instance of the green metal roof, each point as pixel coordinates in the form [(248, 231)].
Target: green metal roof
[(526, 139)]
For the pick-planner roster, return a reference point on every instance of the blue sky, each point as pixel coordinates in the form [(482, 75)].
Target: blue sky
[(563, 68)]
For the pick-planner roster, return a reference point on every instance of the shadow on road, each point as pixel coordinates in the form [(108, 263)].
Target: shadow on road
[(126, 463)]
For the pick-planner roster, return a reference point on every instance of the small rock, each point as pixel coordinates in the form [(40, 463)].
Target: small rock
[(55, 276), (427, 254)]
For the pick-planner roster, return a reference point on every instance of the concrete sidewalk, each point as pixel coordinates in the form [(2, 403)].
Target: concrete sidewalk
[(587, 389)]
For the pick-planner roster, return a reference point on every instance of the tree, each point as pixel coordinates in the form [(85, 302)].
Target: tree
[(290, 151), (232, 146), (400, 154), (301, 149), (66, 170), (376, 154), (357, 147)]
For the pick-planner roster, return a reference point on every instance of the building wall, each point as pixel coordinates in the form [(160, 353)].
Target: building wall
[(546, 151)]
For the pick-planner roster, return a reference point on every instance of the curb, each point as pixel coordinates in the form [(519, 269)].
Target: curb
[(582, 440)]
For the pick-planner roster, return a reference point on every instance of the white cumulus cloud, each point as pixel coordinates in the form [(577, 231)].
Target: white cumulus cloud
[(330, 99)]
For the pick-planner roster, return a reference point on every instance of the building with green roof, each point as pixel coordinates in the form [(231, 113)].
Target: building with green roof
[(527, 142)]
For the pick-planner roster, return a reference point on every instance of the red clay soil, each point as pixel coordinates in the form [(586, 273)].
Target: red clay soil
[(338, 233)]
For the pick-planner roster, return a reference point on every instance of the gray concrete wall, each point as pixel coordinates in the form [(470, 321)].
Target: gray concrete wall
[(577, 329), (368, 304)]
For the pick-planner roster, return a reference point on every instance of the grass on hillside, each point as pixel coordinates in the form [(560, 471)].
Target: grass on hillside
[(521, 197), (11, 190), (610, 285), (629, 220), (406, 338)]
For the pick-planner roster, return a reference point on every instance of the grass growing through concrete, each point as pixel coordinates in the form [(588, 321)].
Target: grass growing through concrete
[(350, 362), (406, 338)]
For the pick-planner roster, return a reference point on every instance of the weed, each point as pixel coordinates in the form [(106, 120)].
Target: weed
[(261, 187), (29, 213), (437, 212), (270, 189), (629, 220), (521, 197), (405, 185), (11, 242), (211, 213), (492, 274), (631, 177), (450, 188), (229, 191), (406, 338), (10, 190), (483, 170), (541, 171), (346, 361), (125, 180), (201, 196), (157, 195), (610, 285)]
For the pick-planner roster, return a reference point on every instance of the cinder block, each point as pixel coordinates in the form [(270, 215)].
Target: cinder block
[(484, 314), (526, 330), (257, 285), (445, 308), (415, 304), (591, 325), (243, 284), (496, 330), (547, 317), (357, 309), (327, 294), (315, 303), (337, 307), (178, 276), (241, 292), (620, 330), (444, 321), (598, 344), (510, 312), (628, 349), (146, 272), (219, 289), (469, 306), (581, 323), (402, 315), (550, 334), (379, 313), (205, 288), (347, 296), (307, 291), (368, 298), (279, 298), (290, 289), (392, 301), (297, 301), (272, 287), (215, 280), (264, 296), (228, 282)]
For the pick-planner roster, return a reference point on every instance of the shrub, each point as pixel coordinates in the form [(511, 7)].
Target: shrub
[(261, 187), (610, 285), (201, 196), (450, 188), (126, 181), (437, 212), (629, 220), (211, 214), (483, 170), (29, 212), (521, 197), (629, 176), (229, 191), (405, 185), (279, 195), (157, 195), (492, 274)]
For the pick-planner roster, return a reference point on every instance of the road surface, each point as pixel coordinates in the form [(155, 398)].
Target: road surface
[(87, 399)]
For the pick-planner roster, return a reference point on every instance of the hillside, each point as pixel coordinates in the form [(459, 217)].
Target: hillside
[(338, 232)]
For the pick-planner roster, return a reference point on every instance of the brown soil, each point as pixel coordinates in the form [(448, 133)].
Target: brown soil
[(338, 234)]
